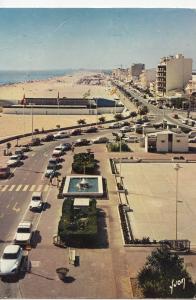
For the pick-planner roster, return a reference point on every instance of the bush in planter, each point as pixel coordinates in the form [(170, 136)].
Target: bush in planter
[(115, 147)]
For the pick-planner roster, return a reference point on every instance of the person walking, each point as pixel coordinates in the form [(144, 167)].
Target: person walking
[(58, 182), (72, 148)]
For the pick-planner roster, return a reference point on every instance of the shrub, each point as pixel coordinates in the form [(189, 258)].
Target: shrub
[(115, 147)]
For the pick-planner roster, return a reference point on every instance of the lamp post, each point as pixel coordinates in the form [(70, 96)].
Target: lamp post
[(32, 120), (120, 135), (176, 168)]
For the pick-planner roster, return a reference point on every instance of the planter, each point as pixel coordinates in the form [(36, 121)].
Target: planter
[(62, 273)]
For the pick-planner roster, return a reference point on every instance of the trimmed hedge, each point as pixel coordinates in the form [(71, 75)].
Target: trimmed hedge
[(115, 147), (84, 162)]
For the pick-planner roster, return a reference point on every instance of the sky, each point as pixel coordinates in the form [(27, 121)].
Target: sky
[(46, 39)]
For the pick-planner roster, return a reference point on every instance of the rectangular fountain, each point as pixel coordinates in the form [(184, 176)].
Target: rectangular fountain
[(83, 185)]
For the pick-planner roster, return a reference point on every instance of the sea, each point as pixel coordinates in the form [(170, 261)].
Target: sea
[(10, 77)]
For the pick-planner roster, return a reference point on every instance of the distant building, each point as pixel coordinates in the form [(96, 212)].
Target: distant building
[(135, 71), (166, 141), (147, 77), (120, 74), (191, 86), (173, 72)]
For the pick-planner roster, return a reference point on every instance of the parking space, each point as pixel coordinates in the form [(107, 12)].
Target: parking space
[(152, 198)]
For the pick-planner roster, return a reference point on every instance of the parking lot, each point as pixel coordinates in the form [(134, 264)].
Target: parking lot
[(152, 198)]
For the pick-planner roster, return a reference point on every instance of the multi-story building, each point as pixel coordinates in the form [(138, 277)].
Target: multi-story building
[(146, 77), (135, 70), (120, 74), (173, 72)]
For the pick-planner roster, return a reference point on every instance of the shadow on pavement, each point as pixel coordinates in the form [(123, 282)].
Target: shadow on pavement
[(68, 279), (46, 206), (36, 239)]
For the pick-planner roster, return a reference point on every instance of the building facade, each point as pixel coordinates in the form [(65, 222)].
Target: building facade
[(135, 71), (173, 72), (166, 141), (146, 77)]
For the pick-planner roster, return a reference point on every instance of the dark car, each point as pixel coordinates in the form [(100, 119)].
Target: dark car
[(4, 172), (76, 132), (48, 138), (90, 129), (35, 142), (81, 142), (67, 146)]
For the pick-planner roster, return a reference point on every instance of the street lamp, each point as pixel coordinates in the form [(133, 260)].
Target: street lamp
[(120, 135), (177, 168)]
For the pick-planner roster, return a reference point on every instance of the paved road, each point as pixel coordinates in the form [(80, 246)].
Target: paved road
[(15, 193)]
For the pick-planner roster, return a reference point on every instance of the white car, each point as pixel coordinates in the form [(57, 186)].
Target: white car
[(13, 161), (61, 135), (36, 201), (57, 152), (10, 260), (125, 129), (115, 125), (131, 139), (24, 233)]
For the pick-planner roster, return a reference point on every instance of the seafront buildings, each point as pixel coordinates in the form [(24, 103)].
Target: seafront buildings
[(173, 72)]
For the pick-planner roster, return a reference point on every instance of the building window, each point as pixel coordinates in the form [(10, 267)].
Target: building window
[(178, 141), (162, 141)]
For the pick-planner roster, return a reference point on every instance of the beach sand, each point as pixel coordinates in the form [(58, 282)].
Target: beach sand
[(66, 86)]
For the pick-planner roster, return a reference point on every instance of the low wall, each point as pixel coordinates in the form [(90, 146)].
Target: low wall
[(61, 111)]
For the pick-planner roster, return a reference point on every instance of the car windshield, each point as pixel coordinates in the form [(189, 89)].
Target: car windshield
[(10, 255), (36, 198), (23, 230), (50, 167), (13, 158)]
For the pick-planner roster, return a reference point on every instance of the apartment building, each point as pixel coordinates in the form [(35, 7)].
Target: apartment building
[(173, 72), (120, 74), (135, 70), (146, 77)]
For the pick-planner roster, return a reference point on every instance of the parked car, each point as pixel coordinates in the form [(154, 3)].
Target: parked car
[(35, 142), (24, 233), (114, 125), (76, 132), (57, 153), (53, 161), (82, 142), (4, 172), (14, 161), (66, 146), (20, 153), (61, 135), (25, 148), (48, 138), (11, 260), (125, 129), (36, 203), (175, 116), (90, 129), (192, 140), (100, 140), (131, 139), (51, 169)]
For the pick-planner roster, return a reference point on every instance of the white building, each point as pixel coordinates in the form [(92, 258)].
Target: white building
[(173, 72), (166, 141), (146, 77)]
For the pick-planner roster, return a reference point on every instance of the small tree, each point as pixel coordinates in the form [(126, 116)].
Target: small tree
[(8, 146), (142, 110), (81, 121), (133, 114), (102, 119), (160, 273), (118, 117)]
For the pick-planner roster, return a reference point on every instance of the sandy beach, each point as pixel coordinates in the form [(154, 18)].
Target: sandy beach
[(66, 86)]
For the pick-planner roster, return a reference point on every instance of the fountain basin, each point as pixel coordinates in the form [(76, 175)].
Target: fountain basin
[(73, 186)]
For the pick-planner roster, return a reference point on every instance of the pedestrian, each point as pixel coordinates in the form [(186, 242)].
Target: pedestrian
[(72, 148), (50, 179)]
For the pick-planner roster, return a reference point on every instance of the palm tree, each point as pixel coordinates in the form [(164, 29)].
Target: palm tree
[(118, 117), (102, 119), (133, 114), (81, 121)]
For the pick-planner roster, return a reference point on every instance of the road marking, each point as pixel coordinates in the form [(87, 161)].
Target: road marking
[(1, 216), (25, 187), (35, 263), (38, 189), (4, 188), (15, 208), (32, 188), (18, 188), (12, 187), (46, 188)]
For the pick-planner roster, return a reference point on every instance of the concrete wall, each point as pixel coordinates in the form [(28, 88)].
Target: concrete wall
[(180, 143), (55, 111), (162, 142)]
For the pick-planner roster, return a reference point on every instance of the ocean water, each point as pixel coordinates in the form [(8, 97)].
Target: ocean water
[(9, 77)]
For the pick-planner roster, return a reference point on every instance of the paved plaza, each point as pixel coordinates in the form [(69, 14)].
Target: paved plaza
[(152, 198)]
